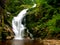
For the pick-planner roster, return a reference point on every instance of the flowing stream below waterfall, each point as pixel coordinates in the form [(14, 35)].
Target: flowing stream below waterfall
[(30, 42)]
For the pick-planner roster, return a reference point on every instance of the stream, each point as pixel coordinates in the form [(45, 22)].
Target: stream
[(20, 42)]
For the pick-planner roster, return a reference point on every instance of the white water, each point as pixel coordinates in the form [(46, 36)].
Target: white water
[(34, 6), (18, 27)]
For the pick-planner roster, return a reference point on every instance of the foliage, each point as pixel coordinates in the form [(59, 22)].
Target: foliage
[(43, 21)]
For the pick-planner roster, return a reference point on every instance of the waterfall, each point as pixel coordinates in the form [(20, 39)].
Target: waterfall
[(17, 26), (34, 6)]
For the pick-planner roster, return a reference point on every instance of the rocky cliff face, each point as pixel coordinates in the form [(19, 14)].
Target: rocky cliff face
[(5, 29)]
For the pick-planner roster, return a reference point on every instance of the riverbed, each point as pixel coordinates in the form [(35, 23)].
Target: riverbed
[(30, 42)]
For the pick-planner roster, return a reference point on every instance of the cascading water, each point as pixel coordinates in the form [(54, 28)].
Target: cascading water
[(18, 27), (17, 24)]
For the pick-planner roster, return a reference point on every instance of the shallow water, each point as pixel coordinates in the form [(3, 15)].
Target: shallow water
[(20, 42), (30, 42)]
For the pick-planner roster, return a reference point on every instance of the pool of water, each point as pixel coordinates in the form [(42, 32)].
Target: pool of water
[(20, 42)]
